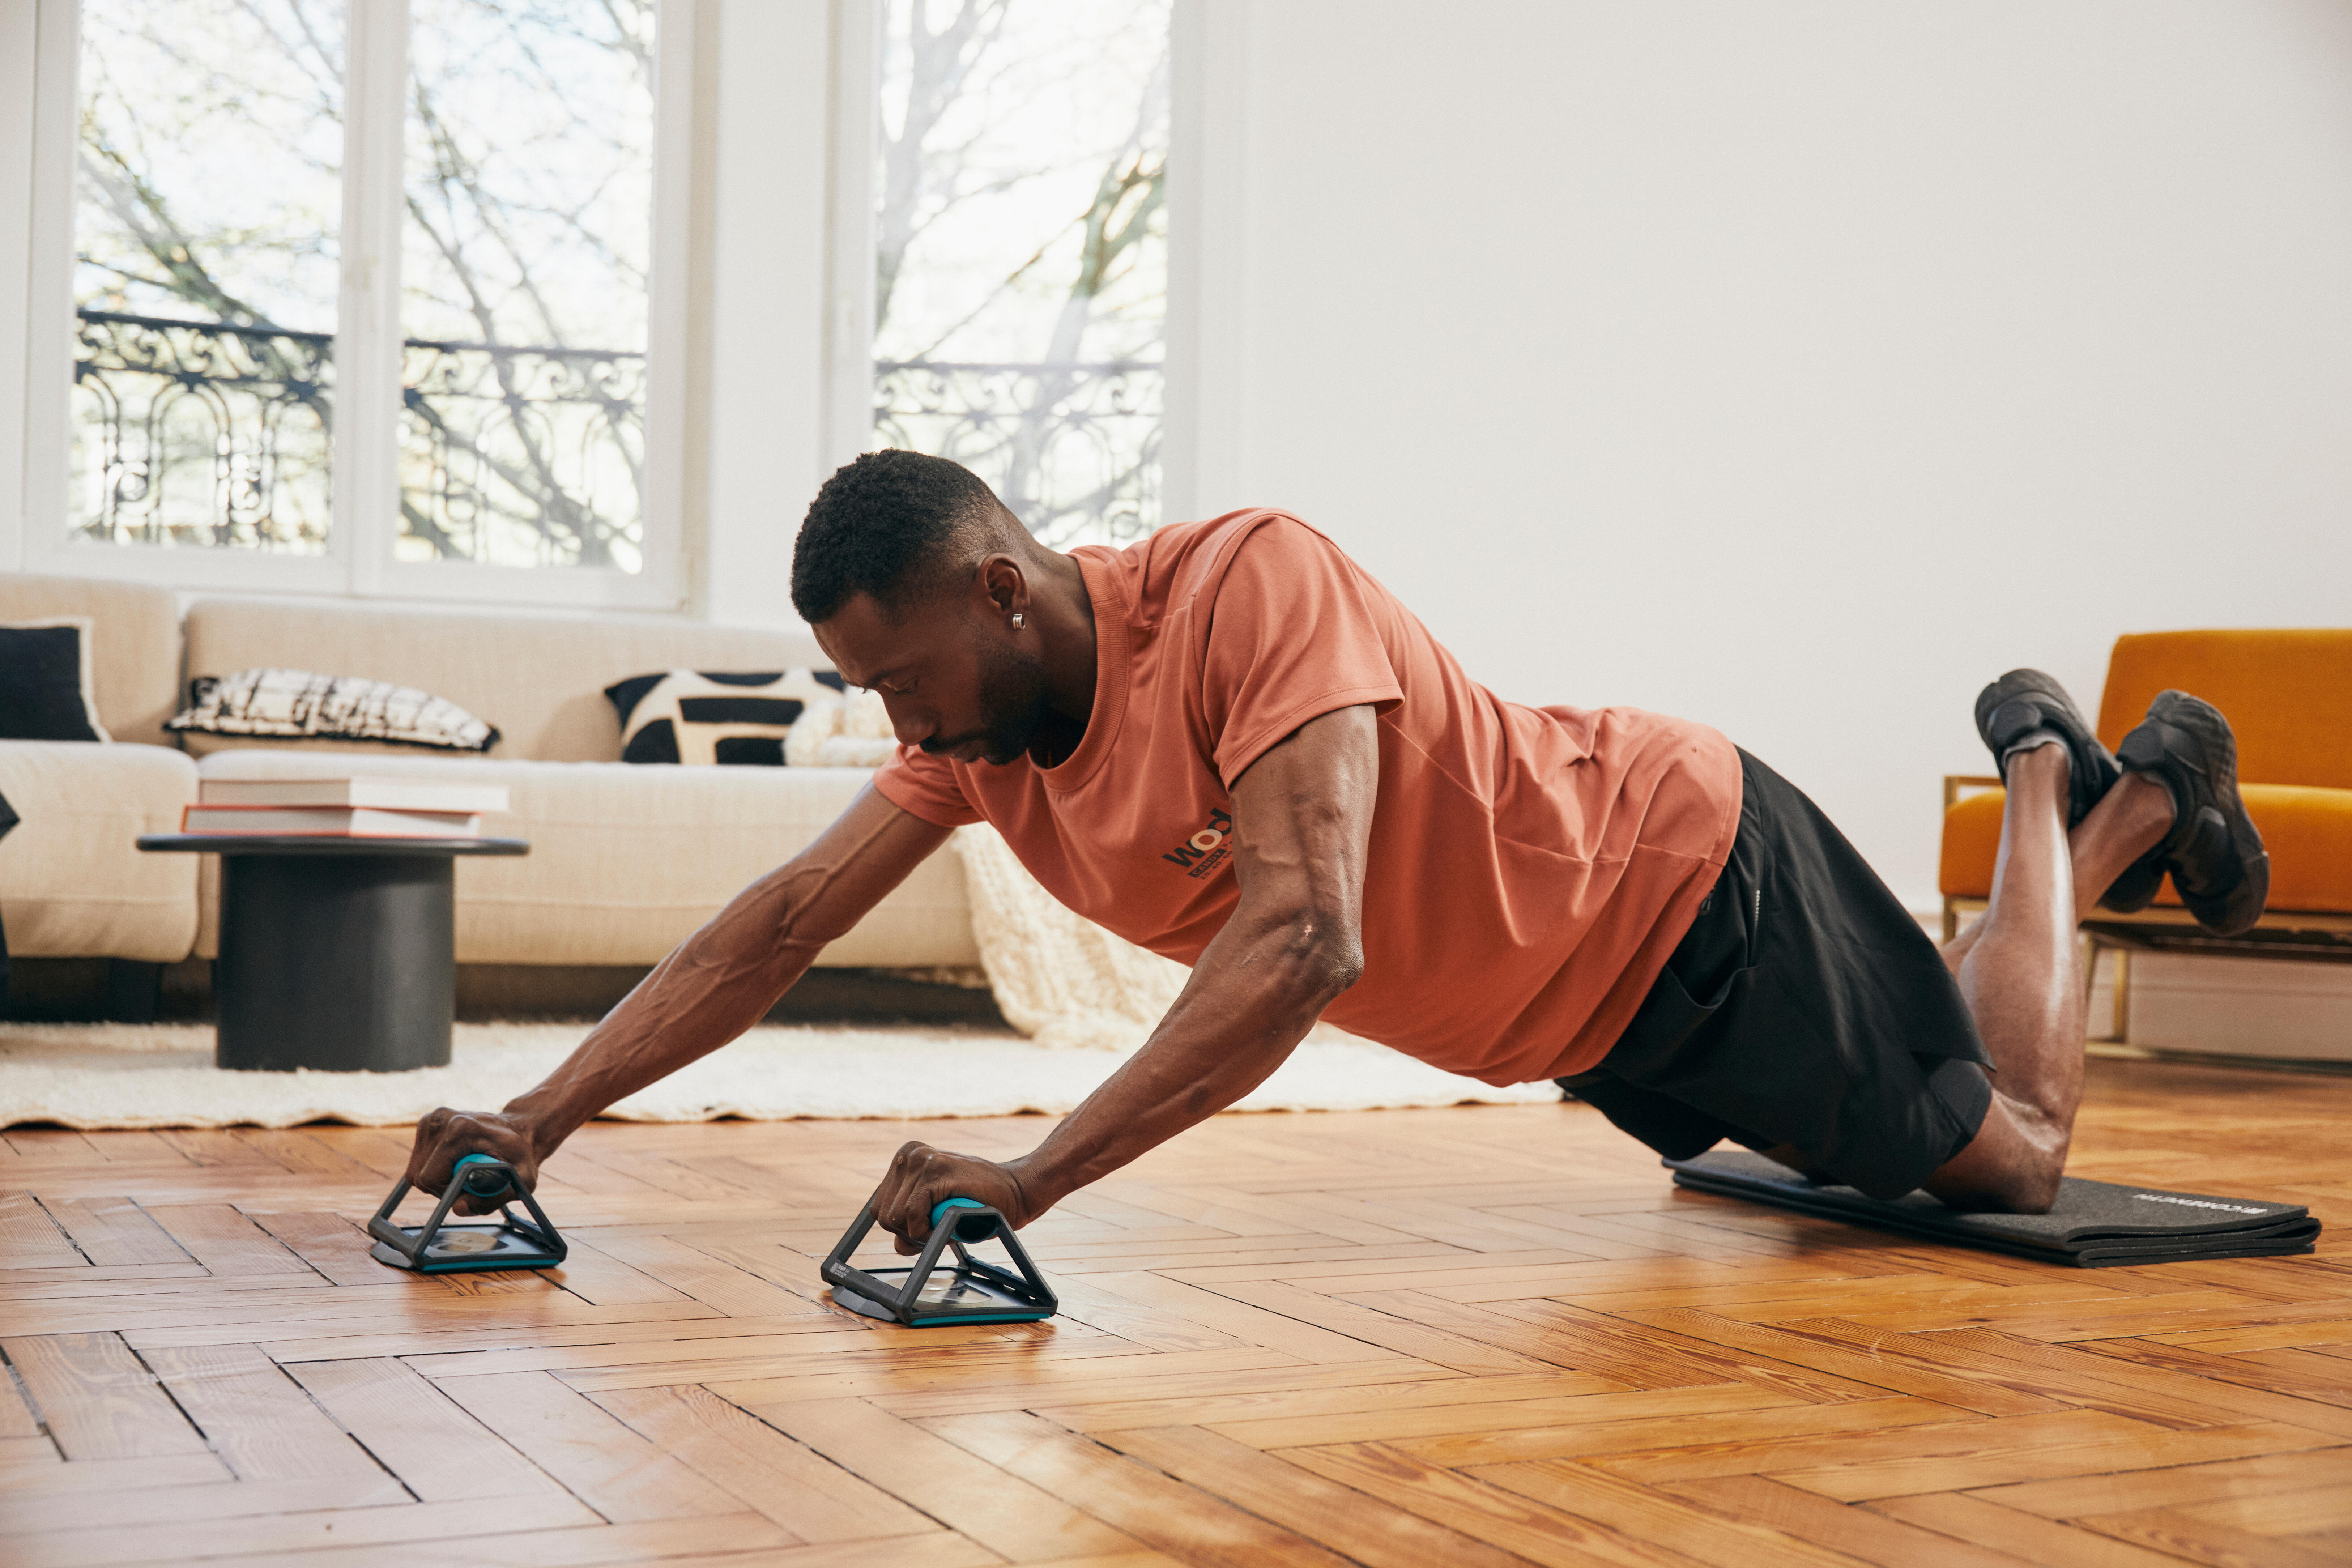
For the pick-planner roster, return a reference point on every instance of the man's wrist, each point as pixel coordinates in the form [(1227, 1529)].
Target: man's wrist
[(1040, 1186), (541, 1122)]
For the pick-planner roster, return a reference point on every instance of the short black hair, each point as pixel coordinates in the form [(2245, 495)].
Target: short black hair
[(878, 526)]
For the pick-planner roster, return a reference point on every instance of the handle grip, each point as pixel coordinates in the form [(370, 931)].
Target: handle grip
[(484, 1184), (973, 1229)]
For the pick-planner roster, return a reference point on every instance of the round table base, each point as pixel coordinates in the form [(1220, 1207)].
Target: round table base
[(336, 963)]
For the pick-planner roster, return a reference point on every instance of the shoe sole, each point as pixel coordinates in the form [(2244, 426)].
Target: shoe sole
[(2212, 750)]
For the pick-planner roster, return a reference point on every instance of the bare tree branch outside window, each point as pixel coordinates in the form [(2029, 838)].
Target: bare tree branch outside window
[(1020, 251)]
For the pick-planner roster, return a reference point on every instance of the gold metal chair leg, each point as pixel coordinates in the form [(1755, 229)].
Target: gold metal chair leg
[(2121, 1022), (2119, 1000)]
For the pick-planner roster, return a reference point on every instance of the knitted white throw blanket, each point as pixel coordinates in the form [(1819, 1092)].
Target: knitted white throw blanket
[(1058, 977)]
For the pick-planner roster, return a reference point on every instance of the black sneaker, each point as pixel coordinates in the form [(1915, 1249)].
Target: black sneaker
[(2138, 886), (2213, 853), (2026, 702)]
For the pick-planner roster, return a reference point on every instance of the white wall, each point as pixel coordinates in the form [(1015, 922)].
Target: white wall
[(1797, 367)]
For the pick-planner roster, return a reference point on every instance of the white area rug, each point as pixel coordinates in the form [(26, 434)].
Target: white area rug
[(1082, 999), (111, 1075)]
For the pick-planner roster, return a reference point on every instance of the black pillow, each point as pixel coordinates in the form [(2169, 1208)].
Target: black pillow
[(743, 725), (43, 690)]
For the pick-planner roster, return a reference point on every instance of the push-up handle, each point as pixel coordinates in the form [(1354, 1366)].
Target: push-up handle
[(437, 1247), (934, 1290)]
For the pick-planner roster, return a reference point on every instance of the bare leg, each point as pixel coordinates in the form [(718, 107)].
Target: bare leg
[(2098, 850), (2019, 971)]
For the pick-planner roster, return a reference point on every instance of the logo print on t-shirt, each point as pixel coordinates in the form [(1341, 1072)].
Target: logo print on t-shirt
[(1205, 850)]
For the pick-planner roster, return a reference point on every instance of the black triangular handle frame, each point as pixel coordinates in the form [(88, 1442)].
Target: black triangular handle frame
[(541, 1231), (1029, 1286)]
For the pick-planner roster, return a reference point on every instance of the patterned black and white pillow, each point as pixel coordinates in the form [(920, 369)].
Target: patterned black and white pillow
[(715, 716), (297, 705)]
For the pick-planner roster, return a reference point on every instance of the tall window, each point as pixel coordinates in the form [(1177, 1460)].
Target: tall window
[(487, 404), (1021, 264), (208, 221)]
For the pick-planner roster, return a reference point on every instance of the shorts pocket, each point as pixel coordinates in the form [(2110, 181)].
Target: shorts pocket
[(1667, 1020)]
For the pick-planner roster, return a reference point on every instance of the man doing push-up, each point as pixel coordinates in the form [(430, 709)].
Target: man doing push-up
[(1227, 744)]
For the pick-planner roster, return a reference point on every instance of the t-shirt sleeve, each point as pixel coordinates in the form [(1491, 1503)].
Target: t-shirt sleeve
[(1291, 635), (924, 785)]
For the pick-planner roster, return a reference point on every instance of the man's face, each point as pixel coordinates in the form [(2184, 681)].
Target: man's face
[(954, 684)]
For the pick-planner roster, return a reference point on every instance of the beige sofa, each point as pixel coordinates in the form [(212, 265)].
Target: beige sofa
[(625, 859), (72, 883)]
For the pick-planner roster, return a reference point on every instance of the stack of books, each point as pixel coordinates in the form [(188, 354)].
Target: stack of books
[(340, 809)]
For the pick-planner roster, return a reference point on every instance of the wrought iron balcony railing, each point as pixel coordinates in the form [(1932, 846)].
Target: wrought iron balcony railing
[(211, 435), (522, 457), (215, 435), (197, 434), (1073, 449)]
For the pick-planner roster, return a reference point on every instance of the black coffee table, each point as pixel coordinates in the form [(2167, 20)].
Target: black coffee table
[(335, 953)]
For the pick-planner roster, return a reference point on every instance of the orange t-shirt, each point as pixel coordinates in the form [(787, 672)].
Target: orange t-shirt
[(1530, 869)]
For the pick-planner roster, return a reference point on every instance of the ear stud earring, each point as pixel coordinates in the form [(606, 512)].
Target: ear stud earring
[(1020, 619)]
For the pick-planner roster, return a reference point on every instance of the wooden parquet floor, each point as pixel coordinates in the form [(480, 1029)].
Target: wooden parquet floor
[(1475, 1336)]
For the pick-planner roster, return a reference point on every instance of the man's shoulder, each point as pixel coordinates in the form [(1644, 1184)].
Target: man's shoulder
[(1182, 562)]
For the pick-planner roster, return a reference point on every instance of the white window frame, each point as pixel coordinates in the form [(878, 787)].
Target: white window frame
[(849, 400), (365, 511)]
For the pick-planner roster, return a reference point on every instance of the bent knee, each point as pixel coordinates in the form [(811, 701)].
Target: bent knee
[(2024, 1193), (2002, 1171), (2033, 1194)]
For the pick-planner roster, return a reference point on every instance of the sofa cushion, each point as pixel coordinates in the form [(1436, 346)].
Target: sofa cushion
[(2308, 833), (626, 861), (855, 733), (722, 717), (2288, 695), (541, 679), (134, 644), (73, 883)]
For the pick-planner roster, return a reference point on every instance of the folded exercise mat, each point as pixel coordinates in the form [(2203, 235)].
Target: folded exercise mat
[(2095, 1225)]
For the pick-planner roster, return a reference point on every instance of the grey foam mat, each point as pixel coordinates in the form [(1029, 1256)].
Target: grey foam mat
[(2094, 1225)]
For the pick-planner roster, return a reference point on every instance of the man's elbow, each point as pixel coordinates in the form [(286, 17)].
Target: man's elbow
[(1324, 958)]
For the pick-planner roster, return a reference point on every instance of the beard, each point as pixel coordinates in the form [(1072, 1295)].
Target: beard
[(1015, 704)]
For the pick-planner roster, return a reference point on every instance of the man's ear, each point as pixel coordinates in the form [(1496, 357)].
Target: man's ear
[(1004, 585)]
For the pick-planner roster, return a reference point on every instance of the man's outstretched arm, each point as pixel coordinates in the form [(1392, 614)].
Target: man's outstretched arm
[(715, 985), (1302, 818)]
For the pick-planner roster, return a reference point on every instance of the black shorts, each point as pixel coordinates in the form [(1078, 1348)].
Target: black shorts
[(1805, 1006)]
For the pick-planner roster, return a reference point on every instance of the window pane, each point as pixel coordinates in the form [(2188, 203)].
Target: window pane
[(529, 214), (1021, 265), (207, 206)]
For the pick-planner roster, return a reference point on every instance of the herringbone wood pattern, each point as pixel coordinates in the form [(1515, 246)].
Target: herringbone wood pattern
[(1463, 1337)]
